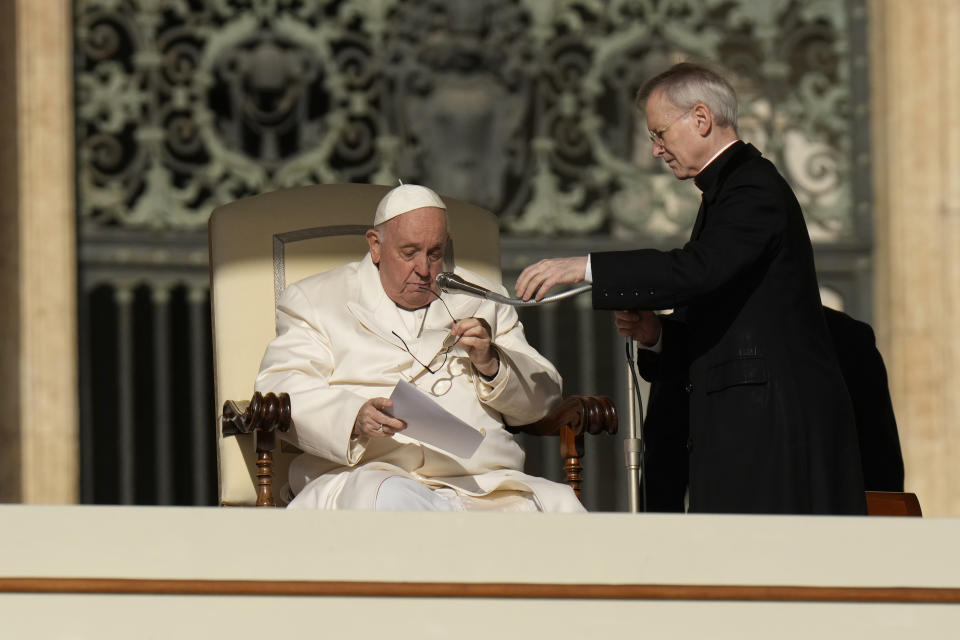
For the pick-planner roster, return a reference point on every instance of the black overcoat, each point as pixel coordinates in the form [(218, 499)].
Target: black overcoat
[(771, 424), (866, 377)]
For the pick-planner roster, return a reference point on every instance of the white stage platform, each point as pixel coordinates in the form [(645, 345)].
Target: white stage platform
[(132, 572)]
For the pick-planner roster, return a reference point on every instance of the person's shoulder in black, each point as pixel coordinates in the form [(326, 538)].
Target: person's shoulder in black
[(866, 378)]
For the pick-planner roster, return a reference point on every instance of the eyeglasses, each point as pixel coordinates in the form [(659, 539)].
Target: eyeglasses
[(443, 352), (656, 137)]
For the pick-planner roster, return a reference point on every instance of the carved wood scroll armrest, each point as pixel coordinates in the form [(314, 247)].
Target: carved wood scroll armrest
[(573, 417), (263, 416), (265, 413), (581, 414)]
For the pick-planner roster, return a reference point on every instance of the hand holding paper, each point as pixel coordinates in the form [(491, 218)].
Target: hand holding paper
[(431, 424)]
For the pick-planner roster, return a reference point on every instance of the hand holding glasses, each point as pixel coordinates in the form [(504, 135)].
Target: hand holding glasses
[(475, 335)]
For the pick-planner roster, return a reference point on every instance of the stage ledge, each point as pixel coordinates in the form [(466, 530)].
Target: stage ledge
[(692, 572)]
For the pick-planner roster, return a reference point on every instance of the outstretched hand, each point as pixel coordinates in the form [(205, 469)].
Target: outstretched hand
[(372, 422), (540, 277)]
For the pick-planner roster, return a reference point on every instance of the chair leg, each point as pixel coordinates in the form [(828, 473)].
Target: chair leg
[(571, 450), (266, 441), (265, 479)]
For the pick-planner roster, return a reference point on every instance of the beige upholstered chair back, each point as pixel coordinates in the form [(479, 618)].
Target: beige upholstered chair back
[(260, 244)]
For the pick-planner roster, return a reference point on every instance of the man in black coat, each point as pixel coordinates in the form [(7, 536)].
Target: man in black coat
[(771, 424), (666, 426)]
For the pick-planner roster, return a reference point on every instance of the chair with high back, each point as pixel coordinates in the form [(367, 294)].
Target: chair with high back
[(259, 245)]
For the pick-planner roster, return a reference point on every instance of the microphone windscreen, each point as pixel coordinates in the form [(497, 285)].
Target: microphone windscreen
[(450, 282)]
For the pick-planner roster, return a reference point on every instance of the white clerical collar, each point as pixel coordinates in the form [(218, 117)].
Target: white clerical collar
[(412, 319), (717, 154)]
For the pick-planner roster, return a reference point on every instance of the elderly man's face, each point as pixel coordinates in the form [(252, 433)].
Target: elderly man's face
[(674, 135), (409, 254)]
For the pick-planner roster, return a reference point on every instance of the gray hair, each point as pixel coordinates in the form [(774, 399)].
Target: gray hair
[(687, 85)]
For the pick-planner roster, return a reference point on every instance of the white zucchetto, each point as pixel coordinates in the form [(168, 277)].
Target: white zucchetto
[(404, 198)]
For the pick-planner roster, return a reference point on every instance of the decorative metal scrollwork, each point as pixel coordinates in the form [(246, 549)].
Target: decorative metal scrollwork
[(522, 106)]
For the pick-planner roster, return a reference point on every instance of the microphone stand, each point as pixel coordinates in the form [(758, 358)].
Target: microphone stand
[(633, 444)]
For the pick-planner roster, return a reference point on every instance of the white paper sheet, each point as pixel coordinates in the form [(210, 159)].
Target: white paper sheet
[(431, 424)]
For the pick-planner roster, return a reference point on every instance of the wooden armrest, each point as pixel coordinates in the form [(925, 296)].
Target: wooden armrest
[(263, 413), (580, 414), (263, 416), (571, 419)]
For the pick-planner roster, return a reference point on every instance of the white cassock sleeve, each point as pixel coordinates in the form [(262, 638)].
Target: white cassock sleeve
[(527, 385), (299, 361)]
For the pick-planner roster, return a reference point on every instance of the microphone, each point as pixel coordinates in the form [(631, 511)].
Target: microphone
[(449, 282)]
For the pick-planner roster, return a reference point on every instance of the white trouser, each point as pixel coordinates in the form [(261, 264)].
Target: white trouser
[(398, 493)]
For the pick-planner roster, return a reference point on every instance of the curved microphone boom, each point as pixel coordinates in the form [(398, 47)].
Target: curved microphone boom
[(451, 283)]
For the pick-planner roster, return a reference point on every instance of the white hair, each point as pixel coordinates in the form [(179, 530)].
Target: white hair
[(687, 84)]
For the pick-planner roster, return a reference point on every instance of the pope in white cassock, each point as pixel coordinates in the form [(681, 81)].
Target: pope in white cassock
[(347, 336)]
